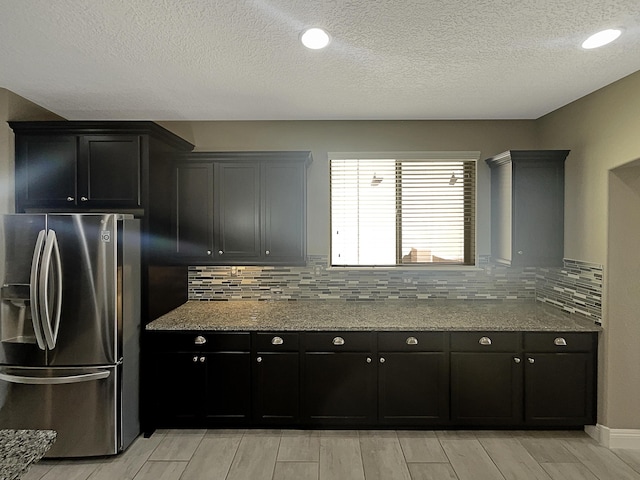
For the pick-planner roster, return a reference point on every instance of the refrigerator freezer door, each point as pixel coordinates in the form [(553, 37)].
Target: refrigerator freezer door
[(20, 333), (80, 404), (90, 315)]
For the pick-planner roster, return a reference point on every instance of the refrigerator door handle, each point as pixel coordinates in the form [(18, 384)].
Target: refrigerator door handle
[(51, 321), (63, 379), (34, 293)]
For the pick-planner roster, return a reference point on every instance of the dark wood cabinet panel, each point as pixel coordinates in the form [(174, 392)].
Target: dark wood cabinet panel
[(277, 387), (559, 389), (228, 388), (413, 388), (255, 208), (339, 388), (486, 388), (109, 170), (193, 222), (284, 212), (179, 390), (527, 207), (45, 171), (237, 197)]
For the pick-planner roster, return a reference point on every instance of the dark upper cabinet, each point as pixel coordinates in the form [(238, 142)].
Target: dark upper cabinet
[(94, 165), (193, 222), (527, 207), (250, 208)]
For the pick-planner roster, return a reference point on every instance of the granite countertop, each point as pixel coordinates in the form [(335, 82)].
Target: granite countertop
[(335, 315), (21, 448)]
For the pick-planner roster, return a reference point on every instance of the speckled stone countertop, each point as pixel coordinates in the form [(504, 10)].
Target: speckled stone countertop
[(21, 448), (334, 315)]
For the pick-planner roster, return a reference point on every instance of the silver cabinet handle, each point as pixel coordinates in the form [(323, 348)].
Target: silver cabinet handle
[(531, 360), (338, 341), (208, 252), (368, 359), (201, 359), (277, 341), (259, 359), (267, 252), (84, 199), (517, 359), (195, 359), (220, 252), (69, 199), (59, 380), (520, 252), (34, 295), (412, 341), (200, 340), (382, 360), (560, 342), (484, 341)]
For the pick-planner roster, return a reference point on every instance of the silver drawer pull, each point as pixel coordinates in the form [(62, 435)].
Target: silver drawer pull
[(561, 342), (484, 341), (412, 341), (517, 359), (277, 341), (338, 341), (200, 340)]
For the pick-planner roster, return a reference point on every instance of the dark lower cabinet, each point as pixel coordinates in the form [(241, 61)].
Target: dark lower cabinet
[(350, 379), (179, 388), (339, 388), (277, 387), (486, 389), (559, 373), (413, 388)]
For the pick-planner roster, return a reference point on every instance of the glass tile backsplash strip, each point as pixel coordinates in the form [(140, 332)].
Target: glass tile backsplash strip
[(315, 281), (575, 288)]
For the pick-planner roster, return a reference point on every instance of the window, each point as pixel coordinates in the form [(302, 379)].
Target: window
[(412, 210)]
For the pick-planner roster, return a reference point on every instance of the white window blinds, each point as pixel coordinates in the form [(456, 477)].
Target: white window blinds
[(391, 211)]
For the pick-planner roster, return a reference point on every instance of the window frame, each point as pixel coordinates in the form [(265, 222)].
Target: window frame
[(469, 243)]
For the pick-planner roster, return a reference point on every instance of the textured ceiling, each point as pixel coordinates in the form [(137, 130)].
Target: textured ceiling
[(241, 60)]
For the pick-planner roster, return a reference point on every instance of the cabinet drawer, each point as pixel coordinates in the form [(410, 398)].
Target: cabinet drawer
[(411, 341), (485, 341), (199, 341), (339, 342), (558, 342), (276, 342)]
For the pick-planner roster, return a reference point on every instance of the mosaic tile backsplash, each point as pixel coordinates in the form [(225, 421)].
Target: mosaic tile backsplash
[(576, 288)]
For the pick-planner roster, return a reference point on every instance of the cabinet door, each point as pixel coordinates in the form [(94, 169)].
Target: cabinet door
[(413, 388), (538, 213), (178, 388), (45, 171), (339, 388), (193, 222), (237, 223), (559, 389), (276, 387), (109, 170), (228, 388), (284, 212), (486, 388)]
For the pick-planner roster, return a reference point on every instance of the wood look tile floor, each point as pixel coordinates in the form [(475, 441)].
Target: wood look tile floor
[(353, 455)]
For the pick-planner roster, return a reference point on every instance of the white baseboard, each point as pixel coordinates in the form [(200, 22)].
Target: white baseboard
[(614, 437)]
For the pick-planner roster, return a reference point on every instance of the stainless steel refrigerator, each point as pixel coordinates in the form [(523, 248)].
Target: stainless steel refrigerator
[(70, 328)]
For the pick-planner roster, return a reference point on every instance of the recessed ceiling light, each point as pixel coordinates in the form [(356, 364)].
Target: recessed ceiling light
[(315, 38), (601, 38)]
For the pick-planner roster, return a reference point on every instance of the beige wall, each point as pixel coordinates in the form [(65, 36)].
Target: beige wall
[(602, 225), (321, 137), (14, 107)]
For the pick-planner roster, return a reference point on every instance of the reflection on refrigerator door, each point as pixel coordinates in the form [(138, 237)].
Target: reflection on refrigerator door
[(80, 404)]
